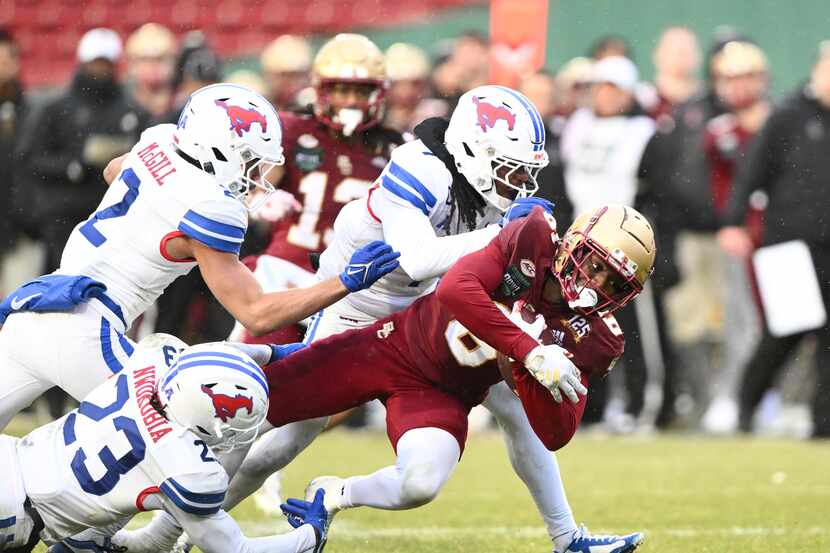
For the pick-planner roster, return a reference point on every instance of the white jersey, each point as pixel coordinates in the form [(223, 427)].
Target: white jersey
[(98, 465), (602, 157), (158, 196), (409, 208)]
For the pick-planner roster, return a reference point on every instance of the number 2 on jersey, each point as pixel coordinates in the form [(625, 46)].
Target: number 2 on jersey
[(115, 468), (119, 209), (304, 232)]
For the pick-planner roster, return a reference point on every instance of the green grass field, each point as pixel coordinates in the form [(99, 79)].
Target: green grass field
[(689, 494)]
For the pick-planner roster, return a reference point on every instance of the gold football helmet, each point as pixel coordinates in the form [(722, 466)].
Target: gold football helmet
[(613, 241), (349, 59)]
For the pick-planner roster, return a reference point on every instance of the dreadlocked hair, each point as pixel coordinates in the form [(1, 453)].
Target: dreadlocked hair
[(464, 199), (467, 202)]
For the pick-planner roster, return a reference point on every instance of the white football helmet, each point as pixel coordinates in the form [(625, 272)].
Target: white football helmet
[(216, 391), (235, 134), (497, 139)]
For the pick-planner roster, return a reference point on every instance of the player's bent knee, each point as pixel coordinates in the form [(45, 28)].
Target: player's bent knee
[(421, 484)]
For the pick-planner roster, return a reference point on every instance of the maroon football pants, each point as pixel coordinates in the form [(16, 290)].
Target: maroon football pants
[(347, 370)]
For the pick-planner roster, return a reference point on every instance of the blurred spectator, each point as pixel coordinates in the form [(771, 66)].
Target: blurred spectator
[(407, 69), (13, 108), (789, 161), (74, 138), (608, 46), (573, 84), (248, 79), (541, 89), (676, 60), (678, 193), (740, 77), (151, 55), (467, 66), (602, 147), (286, 63), (196, 66)]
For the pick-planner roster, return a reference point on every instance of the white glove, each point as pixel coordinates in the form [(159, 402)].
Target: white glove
[(534, 329), (551, 366)]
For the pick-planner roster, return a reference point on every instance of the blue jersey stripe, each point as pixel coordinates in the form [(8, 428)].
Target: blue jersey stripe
[(216, 363), (312, 328), (208, 240), (538, 126), (7, 522), (404, 194), (106, 347), (195, 497), (225, 229), (203, 354), (184, 506), (408, 178)]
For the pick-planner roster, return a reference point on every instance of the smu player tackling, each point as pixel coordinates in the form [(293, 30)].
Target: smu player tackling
[(152, 437), (435, 202), (180, 199)]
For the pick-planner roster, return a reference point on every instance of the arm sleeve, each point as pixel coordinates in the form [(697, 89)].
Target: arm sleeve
[(404, 204), (218, 224), (554, 423), (466, 290), (219, 533), (756, 169)]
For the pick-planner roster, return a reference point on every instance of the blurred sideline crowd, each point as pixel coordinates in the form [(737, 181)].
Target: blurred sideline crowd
[(719, 167)]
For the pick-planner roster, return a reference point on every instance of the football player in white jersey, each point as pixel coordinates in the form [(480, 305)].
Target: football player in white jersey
[(438, 199), (178, 199), (154, 437)]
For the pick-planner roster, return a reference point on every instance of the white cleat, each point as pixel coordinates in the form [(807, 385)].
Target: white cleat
[(269, 497), (333, 486), (585, 542)]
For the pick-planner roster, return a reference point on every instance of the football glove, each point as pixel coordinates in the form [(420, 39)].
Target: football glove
[(521, 207), (368, 264), (553, 369), (280, 351), (301, 512)]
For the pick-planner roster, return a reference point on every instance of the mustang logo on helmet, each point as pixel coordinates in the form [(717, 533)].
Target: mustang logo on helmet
[(226, 406), (242, 119), (488, 115)]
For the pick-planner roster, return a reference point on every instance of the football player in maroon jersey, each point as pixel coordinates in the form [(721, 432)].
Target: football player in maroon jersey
[(331, 157), (431, 363)]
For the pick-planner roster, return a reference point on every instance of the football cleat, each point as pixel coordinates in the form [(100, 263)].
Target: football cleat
[(584, 542), (333, 486)]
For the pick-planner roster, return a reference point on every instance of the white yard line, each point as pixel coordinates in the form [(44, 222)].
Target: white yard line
[(350, 530)]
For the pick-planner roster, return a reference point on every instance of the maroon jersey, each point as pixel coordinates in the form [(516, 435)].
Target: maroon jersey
[(438, 357), (324, 173)]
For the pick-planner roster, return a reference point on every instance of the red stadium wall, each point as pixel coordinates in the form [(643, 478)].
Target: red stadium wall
[(48, 30)]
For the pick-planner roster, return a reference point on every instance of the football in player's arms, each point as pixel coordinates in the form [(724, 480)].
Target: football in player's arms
[(159, 435)]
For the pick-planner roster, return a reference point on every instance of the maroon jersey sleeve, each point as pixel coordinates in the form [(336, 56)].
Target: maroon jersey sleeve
[(470, 286)]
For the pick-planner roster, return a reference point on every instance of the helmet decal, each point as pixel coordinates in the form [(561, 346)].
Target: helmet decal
[(242, 119), (227, 406), (488, 115)]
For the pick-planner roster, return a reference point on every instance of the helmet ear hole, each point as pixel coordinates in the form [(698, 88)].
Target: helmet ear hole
[(467, 150)]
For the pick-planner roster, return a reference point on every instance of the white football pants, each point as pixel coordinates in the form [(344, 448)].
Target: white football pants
[(75, 351)]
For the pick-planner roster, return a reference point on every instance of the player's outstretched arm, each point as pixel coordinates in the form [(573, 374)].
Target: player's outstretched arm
[(219, 533), (233, 284)]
